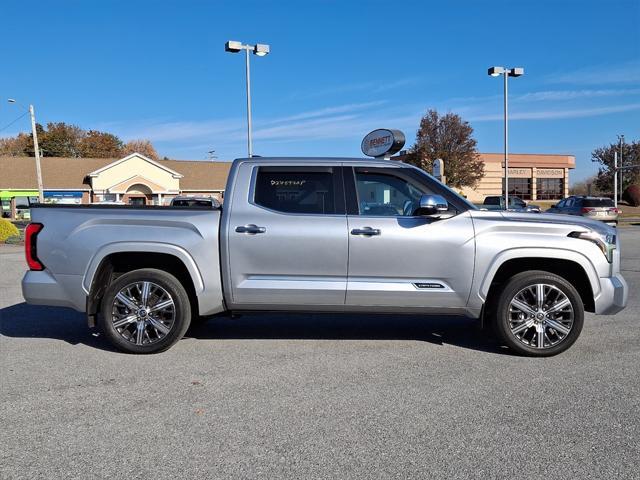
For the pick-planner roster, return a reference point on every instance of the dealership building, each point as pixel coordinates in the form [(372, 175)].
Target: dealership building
[(138, 180), (134, 179)]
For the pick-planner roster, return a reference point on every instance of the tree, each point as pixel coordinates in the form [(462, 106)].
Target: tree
[(97, 144), (605, 157), (15, 146), (587, 187), (450, 138), (145, 147), (60, 140)]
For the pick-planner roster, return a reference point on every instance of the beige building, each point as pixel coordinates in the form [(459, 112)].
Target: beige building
[(531, 176), (134, 179)]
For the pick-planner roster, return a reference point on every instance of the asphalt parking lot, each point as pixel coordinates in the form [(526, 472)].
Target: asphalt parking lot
[(316, 396)]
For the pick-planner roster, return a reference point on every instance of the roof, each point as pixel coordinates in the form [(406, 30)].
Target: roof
[(71, 173)]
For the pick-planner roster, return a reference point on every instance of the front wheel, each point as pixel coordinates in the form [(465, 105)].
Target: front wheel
[(539, 314), (145, 311)]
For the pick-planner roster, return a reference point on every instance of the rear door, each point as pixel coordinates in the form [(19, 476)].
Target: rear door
[(287, 237), (400, 260)]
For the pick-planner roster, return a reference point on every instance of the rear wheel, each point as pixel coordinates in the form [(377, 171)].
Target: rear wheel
[(539, 314), (145, 311)]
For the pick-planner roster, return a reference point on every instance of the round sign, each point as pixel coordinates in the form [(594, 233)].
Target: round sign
[(382, 142)]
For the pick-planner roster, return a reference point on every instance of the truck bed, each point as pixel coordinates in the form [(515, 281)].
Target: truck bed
[(76, 239)]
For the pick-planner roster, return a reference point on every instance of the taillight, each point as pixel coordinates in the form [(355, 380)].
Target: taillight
[(614, 210), (30, 246), (587, 209)]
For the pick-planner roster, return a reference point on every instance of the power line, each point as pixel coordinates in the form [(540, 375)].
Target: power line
[(14, 121)]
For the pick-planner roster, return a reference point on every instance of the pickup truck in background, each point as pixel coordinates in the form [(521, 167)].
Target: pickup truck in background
[(516, 204), (324, 235)]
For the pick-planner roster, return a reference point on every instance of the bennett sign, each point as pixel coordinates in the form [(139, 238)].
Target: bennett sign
[(382, 142)]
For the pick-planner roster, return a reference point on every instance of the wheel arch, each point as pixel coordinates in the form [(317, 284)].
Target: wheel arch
[(569, 265), (116, 259)]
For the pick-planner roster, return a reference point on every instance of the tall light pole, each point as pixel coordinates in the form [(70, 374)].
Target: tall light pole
[(260, 50), (506, 73), (36, 150), (621, 141)]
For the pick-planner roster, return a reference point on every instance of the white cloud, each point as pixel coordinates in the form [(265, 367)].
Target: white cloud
[(559, 113), (622, 73), (560, 95)]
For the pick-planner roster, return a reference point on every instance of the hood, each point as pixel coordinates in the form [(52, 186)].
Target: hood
[(558, 219)]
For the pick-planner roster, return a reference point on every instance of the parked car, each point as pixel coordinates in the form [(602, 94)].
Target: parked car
[(293, 236), (597, 208), (497, 202), (188, 201)]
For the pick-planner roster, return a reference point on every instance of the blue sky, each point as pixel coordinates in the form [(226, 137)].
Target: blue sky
[(337, 69)]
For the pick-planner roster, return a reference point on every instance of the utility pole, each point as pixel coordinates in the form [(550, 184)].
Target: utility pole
[(621, 139), (615, 179), (37, 153)]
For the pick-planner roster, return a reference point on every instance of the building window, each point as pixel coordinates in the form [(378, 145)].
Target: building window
[(549, 188), (520, 187)]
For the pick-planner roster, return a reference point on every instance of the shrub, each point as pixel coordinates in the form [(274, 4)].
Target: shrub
[(632, 195), (7, 229)]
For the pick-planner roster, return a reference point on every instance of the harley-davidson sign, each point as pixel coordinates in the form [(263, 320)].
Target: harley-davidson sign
[(382, 142)]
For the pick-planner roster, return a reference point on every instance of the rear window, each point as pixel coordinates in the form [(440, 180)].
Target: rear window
[(192, 203), (296, 190), (597, 202)]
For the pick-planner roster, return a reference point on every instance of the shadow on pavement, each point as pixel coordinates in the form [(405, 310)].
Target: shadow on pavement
[(32, 321)]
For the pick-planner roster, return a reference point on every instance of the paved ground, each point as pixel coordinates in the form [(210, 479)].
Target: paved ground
[(316, 396)]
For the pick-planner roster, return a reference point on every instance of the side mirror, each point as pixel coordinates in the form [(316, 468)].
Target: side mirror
[(430, 205)]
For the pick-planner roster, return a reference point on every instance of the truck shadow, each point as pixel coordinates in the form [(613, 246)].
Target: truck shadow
[(32, 321)]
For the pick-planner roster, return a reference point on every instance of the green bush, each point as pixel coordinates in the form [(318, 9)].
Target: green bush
[(7, 229)]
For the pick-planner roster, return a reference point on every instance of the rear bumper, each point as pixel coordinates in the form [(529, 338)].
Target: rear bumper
[(42, 288), (613, 295)]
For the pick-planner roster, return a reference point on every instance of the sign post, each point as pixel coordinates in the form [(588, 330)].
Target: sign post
[(382, 143), (438, 170)]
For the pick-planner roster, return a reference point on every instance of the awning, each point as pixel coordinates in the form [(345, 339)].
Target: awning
[(18, 193)]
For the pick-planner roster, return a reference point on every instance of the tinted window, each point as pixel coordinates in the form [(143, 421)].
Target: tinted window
[(296, 190), (492, 201), (597, 202), (192, 203), (386, 195)]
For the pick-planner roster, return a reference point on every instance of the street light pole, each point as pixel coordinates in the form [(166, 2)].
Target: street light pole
[(248, 75), (506, 141), (36, 148), (260, 50), (37, 153), (506, 72)]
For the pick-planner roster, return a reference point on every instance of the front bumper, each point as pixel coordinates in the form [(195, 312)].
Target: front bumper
[(613, 295)]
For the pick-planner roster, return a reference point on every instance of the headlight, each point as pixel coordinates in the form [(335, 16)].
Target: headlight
[(606, 243)]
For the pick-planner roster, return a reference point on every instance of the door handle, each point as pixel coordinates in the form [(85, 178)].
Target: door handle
[(368, 231), (251, 229)]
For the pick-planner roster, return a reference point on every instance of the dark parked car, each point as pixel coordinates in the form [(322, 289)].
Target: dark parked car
[(496, 202), (597, 208)]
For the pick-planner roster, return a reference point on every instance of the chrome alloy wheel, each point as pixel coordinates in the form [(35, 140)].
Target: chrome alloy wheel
[(143, 313), (540, 316)]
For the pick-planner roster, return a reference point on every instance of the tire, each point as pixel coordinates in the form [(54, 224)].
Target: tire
[(536, 331), (135, 325)]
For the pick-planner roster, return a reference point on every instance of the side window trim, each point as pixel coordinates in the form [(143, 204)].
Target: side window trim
[(336, 176)]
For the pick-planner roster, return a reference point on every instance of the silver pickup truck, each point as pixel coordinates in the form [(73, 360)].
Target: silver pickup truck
[(324, 235)]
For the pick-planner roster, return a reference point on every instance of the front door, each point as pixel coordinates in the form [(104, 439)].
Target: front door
[(397, 259), (287, 237)]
